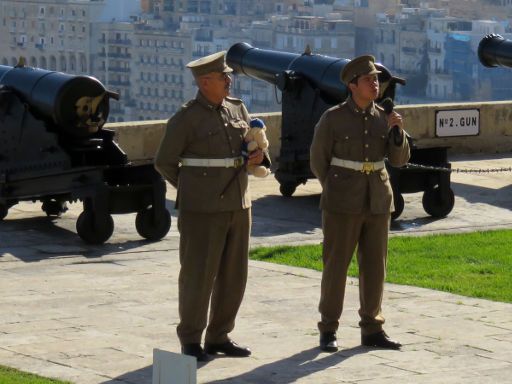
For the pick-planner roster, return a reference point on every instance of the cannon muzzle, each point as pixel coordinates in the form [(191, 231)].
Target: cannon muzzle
[(280, 68), (75, 105), (495, 51)]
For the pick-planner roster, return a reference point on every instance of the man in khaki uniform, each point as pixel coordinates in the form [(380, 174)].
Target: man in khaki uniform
[(350, 143), (200, 155)]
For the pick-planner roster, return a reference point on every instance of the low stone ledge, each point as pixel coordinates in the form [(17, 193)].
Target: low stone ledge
[(140, 139)]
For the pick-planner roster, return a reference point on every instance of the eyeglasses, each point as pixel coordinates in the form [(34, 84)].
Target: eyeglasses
[(223, 77)]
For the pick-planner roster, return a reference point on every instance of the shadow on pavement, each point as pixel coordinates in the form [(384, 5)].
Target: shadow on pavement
[(293, 368), (277, 215), (501, 198), (51, 241), (284, 371), (140, 376)]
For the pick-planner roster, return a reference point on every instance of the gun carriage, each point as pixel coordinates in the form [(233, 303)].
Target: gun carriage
[(310, 84), (54, 149)]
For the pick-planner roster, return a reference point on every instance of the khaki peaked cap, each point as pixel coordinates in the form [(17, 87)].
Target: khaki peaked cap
[(215, 62), (361, 65)]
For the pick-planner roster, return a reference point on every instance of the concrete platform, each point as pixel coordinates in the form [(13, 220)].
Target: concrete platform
[(93, 314)]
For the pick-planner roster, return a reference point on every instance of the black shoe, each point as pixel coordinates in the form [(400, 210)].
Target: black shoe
[(194, 350), (381, 340), (328, 342), (229, 348)]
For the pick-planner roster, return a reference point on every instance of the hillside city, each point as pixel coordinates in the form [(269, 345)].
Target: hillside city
[(139, 48)]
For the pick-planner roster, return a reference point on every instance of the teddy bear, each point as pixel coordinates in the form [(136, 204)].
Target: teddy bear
[(257, 139)]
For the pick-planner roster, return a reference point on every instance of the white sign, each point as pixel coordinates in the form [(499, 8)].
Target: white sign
[(458, 122), (173, 368)]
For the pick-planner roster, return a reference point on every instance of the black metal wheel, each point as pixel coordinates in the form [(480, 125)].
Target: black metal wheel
[(287, 189), (54, 207), (399, 203), (94, 231), (3, 211), (153, 225), (437, 204)]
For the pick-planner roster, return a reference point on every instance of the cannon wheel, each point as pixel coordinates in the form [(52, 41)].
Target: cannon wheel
[(3, 211), (54, 207), (91, 232), (153, 227), (399, 203), (287, 189), (436, 204)]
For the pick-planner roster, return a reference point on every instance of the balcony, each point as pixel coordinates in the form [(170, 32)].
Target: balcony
[(119, 83), (115, 55), (120, 41), (409, 50), (119, 69)]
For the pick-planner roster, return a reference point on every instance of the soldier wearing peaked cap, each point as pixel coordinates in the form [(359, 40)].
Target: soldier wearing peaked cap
[(200, 155), (347, 155)]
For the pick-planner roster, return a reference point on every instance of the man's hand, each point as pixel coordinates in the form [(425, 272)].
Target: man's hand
[(255, 157), (395, 119)]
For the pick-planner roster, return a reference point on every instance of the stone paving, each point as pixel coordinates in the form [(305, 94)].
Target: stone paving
[(93, 314)]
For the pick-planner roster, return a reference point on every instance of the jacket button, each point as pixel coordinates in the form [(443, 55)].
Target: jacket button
[(365, 131), (346, 137), (335, 175), (365, 159), (204, 173), (366, 145)]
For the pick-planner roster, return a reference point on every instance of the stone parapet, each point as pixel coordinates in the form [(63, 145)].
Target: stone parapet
[(140, 140)]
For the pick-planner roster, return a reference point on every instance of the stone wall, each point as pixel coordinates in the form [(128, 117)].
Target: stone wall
[(140, 139)]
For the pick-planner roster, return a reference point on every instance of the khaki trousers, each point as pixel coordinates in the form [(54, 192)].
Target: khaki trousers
[(342, 232), (214, 260)]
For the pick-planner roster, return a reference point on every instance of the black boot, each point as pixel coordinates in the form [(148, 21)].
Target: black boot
[(194, 350), (229, 348), (380, 340), (328, 342)]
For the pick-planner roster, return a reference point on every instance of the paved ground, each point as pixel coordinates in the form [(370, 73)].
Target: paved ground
[(93, 314)]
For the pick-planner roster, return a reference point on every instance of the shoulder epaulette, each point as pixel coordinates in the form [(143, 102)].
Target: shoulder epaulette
[(377, 106), (234, 99), (189, 103)]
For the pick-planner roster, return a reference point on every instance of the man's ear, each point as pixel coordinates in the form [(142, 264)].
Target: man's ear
[(352, 86)]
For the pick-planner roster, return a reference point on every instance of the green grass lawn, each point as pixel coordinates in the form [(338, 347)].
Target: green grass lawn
[(13, 376), (474, 264)]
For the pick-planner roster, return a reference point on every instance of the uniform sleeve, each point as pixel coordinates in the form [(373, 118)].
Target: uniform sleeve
[(245, 113), (321, 149), (171, 148), (398, 155)]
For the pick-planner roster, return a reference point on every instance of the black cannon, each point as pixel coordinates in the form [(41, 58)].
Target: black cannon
[(53, 149), (495, 51), (310, 84)]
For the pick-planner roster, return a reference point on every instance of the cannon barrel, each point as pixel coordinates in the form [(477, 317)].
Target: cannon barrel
[(495, 51), (75, 105), (268, 65)]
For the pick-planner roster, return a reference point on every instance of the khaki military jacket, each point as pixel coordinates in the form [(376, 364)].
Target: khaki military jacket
[(202, 130), (347, 132)]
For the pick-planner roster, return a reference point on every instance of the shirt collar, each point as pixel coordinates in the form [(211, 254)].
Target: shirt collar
[(355, 108), (206, 103)]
